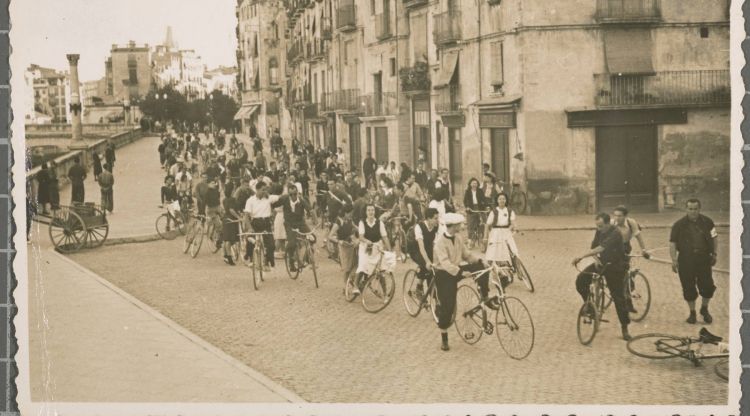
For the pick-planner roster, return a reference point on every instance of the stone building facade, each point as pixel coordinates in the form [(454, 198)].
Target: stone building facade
[(584, 104), (128, 72)]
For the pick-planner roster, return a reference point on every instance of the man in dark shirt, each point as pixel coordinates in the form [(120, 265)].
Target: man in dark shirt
[(294, 218), (610, 250), (420, 176), (321, 193), (213, 204), (273, 172), (368, 169), (351, 185), (109, 156), (77, 174), (692, 246)]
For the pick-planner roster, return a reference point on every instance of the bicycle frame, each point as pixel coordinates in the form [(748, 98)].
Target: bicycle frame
[(684, 350)]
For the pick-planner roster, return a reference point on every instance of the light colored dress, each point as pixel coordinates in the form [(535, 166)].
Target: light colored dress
[(367, 261), (500, 237), (279, 232)]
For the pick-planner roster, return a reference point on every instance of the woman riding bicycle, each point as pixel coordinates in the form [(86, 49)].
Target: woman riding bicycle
[(372, 233), (473, 202), (501, 223), (420, 244), (344, 234)]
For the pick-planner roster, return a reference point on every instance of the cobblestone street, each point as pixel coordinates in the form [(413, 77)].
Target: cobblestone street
[(324, 349)]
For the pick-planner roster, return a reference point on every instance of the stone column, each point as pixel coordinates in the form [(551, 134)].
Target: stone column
[(75, 101)]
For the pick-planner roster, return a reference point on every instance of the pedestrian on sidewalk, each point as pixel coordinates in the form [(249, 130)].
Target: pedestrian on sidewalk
[(106, 184), (76, 175), (97, 165), (109, 156), (54, 187), (42, 190), (692, 246)]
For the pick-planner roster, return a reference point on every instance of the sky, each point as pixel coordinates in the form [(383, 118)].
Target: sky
[(44, 31)]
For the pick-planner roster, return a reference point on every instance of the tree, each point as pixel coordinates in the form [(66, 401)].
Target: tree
[(222, 108)]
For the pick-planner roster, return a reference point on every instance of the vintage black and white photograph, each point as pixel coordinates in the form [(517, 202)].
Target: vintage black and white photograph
[(435, 206)]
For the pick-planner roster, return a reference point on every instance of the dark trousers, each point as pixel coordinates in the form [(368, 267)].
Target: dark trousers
[(695, 272), (422, 272), (292, 236), (615, 278), (262, 225), (78, 192), (108, 199), (447, 286)]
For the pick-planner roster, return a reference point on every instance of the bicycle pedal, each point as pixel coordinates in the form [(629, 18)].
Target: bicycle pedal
[(603, 320), (489, 328)]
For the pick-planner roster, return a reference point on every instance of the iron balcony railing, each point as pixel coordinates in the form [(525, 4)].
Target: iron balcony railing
[(380, 104), (447, 27), (449, 100), (415, 78), (383, 26), (700, 87), (316, 49), (628, 11), (346, 17), (341, 100)]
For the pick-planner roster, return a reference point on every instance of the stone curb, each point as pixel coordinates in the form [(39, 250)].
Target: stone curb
[(243, 368)]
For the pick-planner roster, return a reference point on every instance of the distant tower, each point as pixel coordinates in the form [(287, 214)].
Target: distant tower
[(169, 40)]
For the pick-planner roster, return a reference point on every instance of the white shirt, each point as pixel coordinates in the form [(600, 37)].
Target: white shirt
[(260, 208), (474, 197)]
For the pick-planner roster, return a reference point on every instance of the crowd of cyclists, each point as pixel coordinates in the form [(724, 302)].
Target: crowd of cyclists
[(396, 212)]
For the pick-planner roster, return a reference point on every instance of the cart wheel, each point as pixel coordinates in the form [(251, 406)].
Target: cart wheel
[(97, 231), (67, 230)]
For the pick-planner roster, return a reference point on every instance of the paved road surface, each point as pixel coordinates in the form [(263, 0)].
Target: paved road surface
[(326, 350)]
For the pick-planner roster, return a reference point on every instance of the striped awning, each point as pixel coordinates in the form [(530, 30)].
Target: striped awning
[(246, 111)]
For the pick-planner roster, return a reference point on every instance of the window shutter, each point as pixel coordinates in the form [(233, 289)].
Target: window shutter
[(498, 62)]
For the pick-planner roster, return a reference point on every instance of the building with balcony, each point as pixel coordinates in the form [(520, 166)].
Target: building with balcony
[(128, 72), (51, 94), (262, 56)]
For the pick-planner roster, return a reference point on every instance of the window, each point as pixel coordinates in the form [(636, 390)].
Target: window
[(419, 38), (273, 71), (498, 60), (372, 6), (347, 49), (393, 67), (132, 70), (704, 32)]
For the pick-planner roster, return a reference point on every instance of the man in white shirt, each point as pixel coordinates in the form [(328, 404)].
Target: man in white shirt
[(258, 208)]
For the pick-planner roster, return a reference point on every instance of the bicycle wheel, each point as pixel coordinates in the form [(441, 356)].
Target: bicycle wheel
[(722, 369), (349, 287), (189, 236), (166, 227), (518, 201), (658, 346), (182, 222), (412, 302), (313, 266), (195, 246), (292, 274), (257, 267), (588, 322), (514, 328), (522, 274), (468, 315), (378, 291), (213, 237), (402, 244), (434, 305), (638, 291)]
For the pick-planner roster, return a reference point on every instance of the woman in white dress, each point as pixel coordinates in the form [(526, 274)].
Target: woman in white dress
[(501, 223), (438, 202), (371, 233)]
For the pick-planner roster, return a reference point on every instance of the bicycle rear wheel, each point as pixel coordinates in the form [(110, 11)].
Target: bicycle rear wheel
[(722, 369), (166, 227), (522, 274), (468, 315), (197, 241), (378, 291), (638, 291), (434, 305), (189, 236), (257, 267), (515, 330), (658, 346), (588, 322), (412, 302), (213, 236)]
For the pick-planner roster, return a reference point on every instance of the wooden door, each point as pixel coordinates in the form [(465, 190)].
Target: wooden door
[(455, 157), (500, 162), (626, 167)]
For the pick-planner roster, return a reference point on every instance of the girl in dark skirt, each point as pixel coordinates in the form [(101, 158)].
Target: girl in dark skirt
[(230, 227), (54, 183), (42, 190)]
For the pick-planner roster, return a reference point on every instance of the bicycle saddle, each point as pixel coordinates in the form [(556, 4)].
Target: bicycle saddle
[(708, 338)]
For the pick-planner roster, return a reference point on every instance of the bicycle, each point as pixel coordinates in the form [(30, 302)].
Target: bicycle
[(513, 324), (590, 314), (164, 223), (663, 346), (517, 198), (476, 233), (398, 237), (258, 256), (415, 301), (637, 293), (214, 232), (194, 235), (519, 270), (377, 289), (308, 258)]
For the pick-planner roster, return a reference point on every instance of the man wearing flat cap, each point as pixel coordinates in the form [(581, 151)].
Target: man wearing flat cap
[(448, 253)]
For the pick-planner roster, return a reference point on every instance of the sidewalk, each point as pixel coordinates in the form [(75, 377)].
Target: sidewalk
[(91, 342), (586, 221)]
